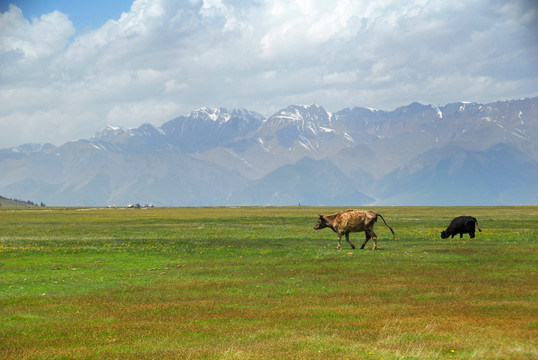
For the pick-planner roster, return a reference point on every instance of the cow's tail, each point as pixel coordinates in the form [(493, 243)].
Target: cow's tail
[(392, 231), (476, 221)]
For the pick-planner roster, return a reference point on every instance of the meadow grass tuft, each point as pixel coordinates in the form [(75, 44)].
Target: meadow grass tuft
[(260, 283)]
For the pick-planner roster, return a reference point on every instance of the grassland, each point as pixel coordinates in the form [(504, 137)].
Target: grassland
[(260, 283)]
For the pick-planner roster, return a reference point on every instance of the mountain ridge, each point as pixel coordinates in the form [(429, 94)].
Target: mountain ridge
[(215, 156)]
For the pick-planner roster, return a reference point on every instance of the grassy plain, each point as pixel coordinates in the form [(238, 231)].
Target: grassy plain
[(260, 283)]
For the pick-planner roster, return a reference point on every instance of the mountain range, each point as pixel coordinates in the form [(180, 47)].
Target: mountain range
[(458, 154)]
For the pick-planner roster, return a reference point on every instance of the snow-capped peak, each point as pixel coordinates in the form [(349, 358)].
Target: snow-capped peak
[(214, 114), (301, 113), (109, 132)]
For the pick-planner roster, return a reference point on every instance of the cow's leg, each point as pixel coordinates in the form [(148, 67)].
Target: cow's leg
[(461, 235), (365, 241), (471, 234), (350, 243), (339, 238), (374, 237)]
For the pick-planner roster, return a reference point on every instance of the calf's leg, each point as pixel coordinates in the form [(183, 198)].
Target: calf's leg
[(374, 237), (370, 234), (350, 243), (339, 238), (365, 241)]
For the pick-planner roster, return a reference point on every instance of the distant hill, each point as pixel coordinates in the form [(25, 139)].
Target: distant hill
[(4, 202), (461, 153)]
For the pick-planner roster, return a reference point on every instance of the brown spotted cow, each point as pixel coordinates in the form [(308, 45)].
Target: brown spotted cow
[(348, 221)]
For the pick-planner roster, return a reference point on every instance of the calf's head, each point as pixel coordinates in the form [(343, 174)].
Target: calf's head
[(322, 223)]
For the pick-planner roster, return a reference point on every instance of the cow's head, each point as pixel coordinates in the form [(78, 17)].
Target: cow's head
[(444, 234), (322, 223)]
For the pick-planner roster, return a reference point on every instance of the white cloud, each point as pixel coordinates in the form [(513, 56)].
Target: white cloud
[(41, 38), (165, 58), (140, 112)]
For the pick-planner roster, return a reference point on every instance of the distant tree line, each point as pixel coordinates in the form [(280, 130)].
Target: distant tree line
[(28, 202)]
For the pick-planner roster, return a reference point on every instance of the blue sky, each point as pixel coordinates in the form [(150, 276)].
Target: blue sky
[(84, 14), (70, 68)]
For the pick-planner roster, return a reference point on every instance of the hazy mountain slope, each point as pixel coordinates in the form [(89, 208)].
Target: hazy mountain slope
[(383, 156), (454, 176), (307, 182), (81, 174), (23, 151)]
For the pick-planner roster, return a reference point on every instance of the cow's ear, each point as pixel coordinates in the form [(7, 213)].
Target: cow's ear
[(320, 215)]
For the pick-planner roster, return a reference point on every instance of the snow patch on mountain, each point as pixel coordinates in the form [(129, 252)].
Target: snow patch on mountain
[(439, 112)]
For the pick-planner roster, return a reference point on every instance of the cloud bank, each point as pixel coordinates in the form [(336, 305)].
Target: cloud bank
[(165, 58)]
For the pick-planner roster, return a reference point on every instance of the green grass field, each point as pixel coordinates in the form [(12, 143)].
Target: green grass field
[(261, 283)]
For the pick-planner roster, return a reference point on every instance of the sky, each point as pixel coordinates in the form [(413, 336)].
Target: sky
[(69, 68)]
